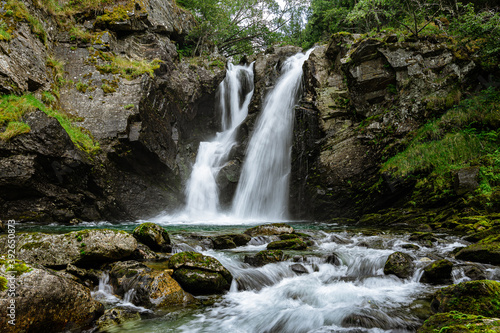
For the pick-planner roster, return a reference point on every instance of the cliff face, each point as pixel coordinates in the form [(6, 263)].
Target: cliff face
[(119, 80)]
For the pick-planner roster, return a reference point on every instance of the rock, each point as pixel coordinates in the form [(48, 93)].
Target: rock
[(486, 251), (473, 297), (299, 269), (455, 321), (116, 317), (200, 274), (85, 247), (474, 273), (270, 229), (152, 288), (410, 246), (399, 264), (45, 299), (466, 180), (289, 244), (144, 253), (153, 236), (88, 277), (230, 241), (333, 259), (439, 272), (265, 257)]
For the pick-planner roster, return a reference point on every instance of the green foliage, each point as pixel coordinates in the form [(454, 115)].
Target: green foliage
[(467, 134), (3, 283), (12, 109), (241, 26), (128, 69), (19, 12), (4, 33), (82, 87)]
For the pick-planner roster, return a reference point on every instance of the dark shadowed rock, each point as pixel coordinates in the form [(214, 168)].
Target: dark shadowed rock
[(265, 257), (439, 272), (399, 264), (288, 244), (486, 251), (116, 317), (466, 180)]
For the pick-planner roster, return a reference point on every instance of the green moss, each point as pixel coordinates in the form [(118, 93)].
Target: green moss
[(129, 106), (82, 87), (33, 245), (19, 12), (13, 129), (288, 244), (457, 322), (126, 68), (3, 283), (18, 267), (107, 89)]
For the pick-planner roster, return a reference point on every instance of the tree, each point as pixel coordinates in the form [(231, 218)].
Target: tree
[(239, 26)]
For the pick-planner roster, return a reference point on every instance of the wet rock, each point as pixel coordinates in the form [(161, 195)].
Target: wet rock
[(289, 244), (151, 288), (439, 272), (367, 319), (333, 259), (144, 253), (474, 273), (455, 321), (265, 257), (45, 299), (85, 247), (424, 238), (399, 264), (116, 317), (339, 240), (200, 274), (466, 180), (410, 246), (486, 251), (153, 236), (299, 269), (270, 229), (88, 277), (230, 241), (473, 297)]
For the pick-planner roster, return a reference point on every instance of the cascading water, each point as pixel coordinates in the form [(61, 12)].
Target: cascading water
[(235, 93), (262, 191)]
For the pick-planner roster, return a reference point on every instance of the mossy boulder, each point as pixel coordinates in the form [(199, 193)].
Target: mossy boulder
[(439, 272), (473, 297), (457, 322), (399, 264), (270, 229), (116, 317), (85, 247), (230, 241), (200, 274), (424, 238), (265, 257), (486, 251), (153, 236), (45, 299), (288, 244), (152, 288)]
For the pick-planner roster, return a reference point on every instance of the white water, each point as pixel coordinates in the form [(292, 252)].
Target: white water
[(235, 93), (262, 191)]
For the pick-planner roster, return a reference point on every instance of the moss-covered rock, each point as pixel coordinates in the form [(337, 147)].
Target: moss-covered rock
[(270, 229), (439, 272), (474, 297), (200, 274), (399, 264), (456, 322), (152, 288), (85, 247), (116, 317), (45, 300), (223, 242), (288, 244), (154, 236), (486, 251), (265, 257)]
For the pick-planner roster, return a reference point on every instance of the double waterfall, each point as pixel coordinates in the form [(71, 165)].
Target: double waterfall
[(262, 191)]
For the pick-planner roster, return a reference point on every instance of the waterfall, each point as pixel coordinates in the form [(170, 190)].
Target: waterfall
[(235, 93), (263, 187)]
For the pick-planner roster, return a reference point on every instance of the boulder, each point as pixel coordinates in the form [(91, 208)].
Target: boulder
[(399, 264), (458, 322), (474, 272), (153, 236), (230, 241), (466, 180), (85, 247), (288, 244), (45, 299), (299, 269), (265, 257), (151, 288), (200, 274), (439, 272), (270, 229), (116, 317), (473, 297), (486, 251)]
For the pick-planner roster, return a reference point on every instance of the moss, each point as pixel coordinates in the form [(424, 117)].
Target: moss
[(107, 89), (3, 283), (33, 245), (288, 244), (458, 322), (18, 267)]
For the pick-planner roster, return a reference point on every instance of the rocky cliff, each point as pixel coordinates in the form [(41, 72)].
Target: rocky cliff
[(112, 76)]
